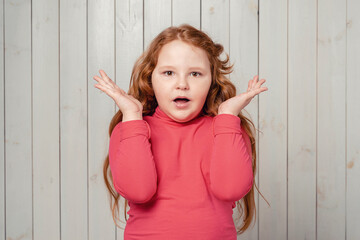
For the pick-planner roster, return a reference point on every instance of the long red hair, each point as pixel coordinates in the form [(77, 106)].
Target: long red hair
[(221, 89)]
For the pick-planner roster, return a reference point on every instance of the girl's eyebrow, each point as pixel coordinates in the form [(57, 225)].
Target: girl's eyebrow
[(192, 68)]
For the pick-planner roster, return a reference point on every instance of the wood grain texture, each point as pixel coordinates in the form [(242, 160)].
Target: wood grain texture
[(302, 119), (46, 120), (352, 98), (73, 86), (2, 128), (243, 51), (17, 121), (273, 123), (55, 122), (331, 162)]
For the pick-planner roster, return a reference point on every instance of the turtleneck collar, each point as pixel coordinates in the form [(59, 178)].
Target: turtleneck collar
[(163, 116)]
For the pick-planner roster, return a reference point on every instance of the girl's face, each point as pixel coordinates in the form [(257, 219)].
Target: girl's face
[(182, 70)]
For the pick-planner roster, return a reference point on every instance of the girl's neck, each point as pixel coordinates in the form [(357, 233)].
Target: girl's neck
[(163, 116)]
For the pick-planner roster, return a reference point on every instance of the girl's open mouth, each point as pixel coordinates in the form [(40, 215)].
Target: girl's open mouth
[(181, 102)]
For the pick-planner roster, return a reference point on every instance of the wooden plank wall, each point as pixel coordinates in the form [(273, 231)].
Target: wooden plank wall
[(54, 123)]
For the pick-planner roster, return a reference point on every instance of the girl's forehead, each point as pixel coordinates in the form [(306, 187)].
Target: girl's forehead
[(180, 52), (181, 45)]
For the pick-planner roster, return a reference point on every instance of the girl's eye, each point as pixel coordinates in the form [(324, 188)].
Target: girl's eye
[(198, 74), (167, 72)]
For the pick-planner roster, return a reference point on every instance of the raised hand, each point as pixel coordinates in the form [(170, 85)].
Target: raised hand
[(128, 105), (235, 104)]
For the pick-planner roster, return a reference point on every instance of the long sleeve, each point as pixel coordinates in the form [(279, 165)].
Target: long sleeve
[(231, 175), (131, 161)]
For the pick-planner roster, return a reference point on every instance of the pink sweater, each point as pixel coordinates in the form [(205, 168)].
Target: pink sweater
[(181, 179)]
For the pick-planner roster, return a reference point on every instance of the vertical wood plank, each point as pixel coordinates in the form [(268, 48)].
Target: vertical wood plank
[(215, 22), (45, 66), (157, 17), (2, 125), (18, 121), (129, 39), (101, 55), (273, 120), (352, 99), (129, 46), (331, 119), (244, 55), (73, 120), (302, 119), (186, 11)]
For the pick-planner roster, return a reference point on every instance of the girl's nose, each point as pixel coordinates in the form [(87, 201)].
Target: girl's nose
[(182, 82)]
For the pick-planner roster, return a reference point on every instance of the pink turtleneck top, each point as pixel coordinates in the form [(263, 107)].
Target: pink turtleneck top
[(181, 180)]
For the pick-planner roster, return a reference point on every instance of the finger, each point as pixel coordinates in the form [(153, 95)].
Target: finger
[(259, 90), (254, 81), (100, 87), (108, 87), (104, 87), (260, 83), (108, 91), (102, 81), (104, 75), (107, 80), (249, 85), (98, 79)]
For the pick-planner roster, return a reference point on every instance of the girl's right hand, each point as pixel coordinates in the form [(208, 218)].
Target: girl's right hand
[(127, 104)]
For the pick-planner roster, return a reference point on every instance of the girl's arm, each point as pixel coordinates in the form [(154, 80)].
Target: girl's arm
[(131, 161), (231, 175)]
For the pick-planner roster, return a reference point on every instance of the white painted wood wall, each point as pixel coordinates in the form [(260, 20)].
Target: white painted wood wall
[(54, 123)]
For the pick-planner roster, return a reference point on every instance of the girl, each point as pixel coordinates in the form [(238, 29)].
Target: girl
[(181, 153)]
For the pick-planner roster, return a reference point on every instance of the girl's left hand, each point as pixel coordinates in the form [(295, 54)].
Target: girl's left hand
[(235, 104)]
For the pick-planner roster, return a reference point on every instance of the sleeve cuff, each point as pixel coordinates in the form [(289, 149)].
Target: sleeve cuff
[(226, 123), (133, 128)]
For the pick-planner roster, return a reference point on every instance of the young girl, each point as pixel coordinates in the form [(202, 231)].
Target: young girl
[(181, 153)]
